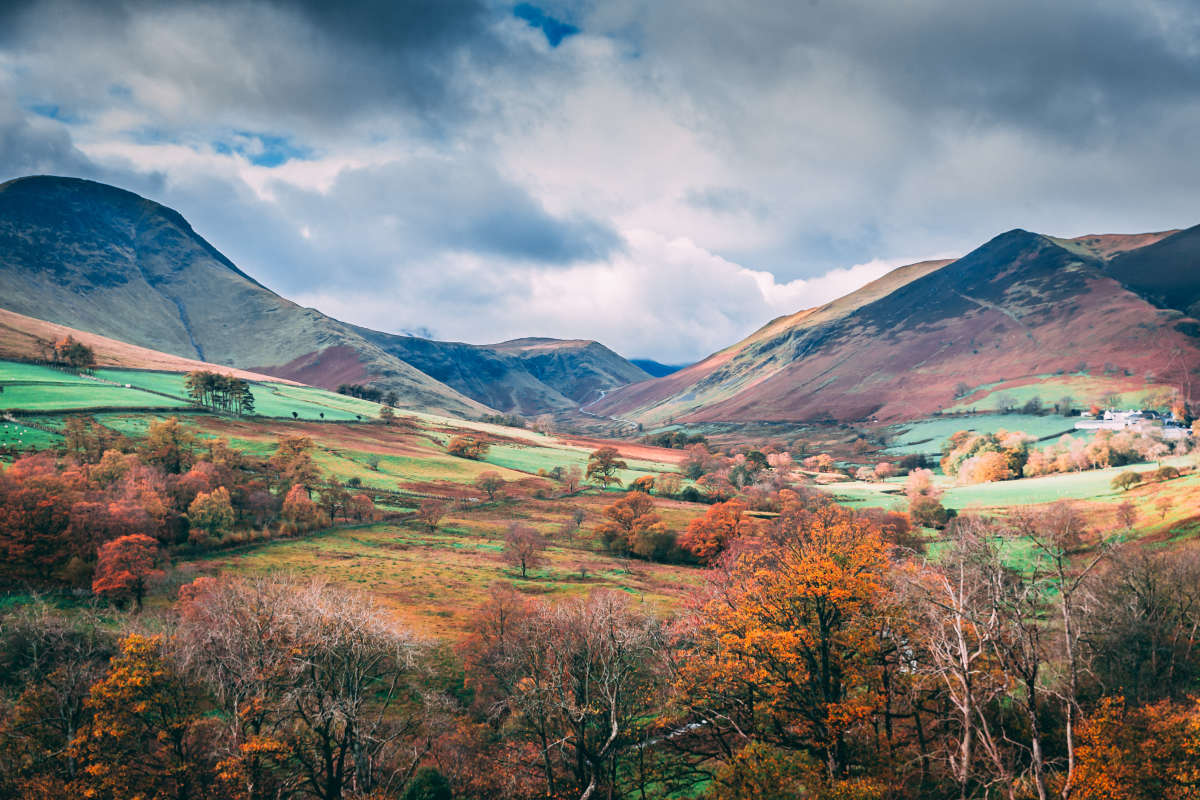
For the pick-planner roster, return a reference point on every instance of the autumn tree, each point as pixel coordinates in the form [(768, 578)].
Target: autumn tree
[(300, 513), (1163, 505), (644, 484), (631, 525), (1146, 752), (170, 446), (490, 483), (292, 464), (571, 479), (386, 415), (147, 736), (316, 684), (431, 511), (1127, 515), (361, 507), (48, 663), (785, 647), (1126, 480), (709, 535), (603, 465), (577, 680), (211, 515), (523, 547), (468, 447), (125, 567)]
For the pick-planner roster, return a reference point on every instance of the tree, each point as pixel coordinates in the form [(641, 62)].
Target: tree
[(125, 566), (1126, 480), (632, 526), (1127, 515), (334, 497), (603, 465), (644, 484), (386, 415), (300, 513), (1140, 752), (1163, 504), (571, 479), (361, 507), (708, 536), (468, 447), (146, 736), (431, 511), (928, 512), (576, 680), (490, 483), (211, 514), (316, 685), (428, 784), (523, 547), (292, 463), (786, 644), (74, 354), (170, 446)]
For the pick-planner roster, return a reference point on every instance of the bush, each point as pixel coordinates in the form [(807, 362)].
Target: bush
[(468, 447), (928, 512), (1126, 480)]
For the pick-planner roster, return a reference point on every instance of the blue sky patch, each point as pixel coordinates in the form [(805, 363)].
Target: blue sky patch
[(556, 30), (262, 149)]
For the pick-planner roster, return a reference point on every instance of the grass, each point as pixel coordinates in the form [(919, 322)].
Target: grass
[(79, 397), (18, 372), (928, 435), (1082, 388), (23, 438), (435, 581)]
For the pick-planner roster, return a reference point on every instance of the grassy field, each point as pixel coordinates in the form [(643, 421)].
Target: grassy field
[(1082, 388), (928, 435), (1087, 485), (435, 581), (280, 400)]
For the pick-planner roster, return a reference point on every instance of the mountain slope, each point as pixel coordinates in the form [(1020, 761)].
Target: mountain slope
[(101, 259), (1020, 306)]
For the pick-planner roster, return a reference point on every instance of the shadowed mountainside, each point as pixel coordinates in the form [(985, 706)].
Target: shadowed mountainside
[(1021, 306), (101, 259)]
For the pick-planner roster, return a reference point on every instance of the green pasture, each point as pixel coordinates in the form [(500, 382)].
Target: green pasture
[(23, 438), (83, 396), (1083, 389), (930, 434), (18, 372)]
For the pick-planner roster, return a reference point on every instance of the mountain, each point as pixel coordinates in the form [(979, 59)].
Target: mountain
[(101, 259), (526, 376), (1023, 308), (654, 368)]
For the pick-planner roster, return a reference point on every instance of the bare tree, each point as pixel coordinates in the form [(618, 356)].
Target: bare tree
[(431, 511), (577, 678), (523, 547), (316, 667)]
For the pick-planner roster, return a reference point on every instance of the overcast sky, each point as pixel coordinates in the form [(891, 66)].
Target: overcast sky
[(662, 176)]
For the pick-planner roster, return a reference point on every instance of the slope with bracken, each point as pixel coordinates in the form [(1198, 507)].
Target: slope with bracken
[(1021, 308), (101, 259)]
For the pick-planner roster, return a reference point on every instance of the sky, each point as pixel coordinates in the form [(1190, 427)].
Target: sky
[(664, 177)]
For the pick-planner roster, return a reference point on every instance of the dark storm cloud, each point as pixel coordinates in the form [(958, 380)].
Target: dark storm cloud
[(302, 62), (1064, 67)]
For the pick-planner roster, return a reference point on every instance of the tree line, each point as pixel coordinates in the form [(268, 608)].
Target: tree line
[(220, 392)]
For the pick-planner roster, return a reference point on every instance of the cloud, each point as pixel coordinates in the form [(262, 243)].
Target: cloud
[(664, 177)]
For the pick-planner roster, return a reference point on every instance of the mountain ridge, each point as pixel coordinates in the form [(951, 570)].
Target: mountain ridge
[(103, 259)]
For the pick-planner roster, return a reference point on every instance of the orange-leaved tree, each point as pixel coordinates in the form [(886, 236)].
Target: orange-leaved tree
[(632, 526), (707, 536), (1149, 752), (125, 567), (147, 735), (786, 646)]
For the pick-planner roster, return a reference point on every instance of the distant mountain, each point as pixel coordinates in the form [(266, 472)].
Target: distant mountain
[(101, 259), (654, 368), (1023, 308)]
